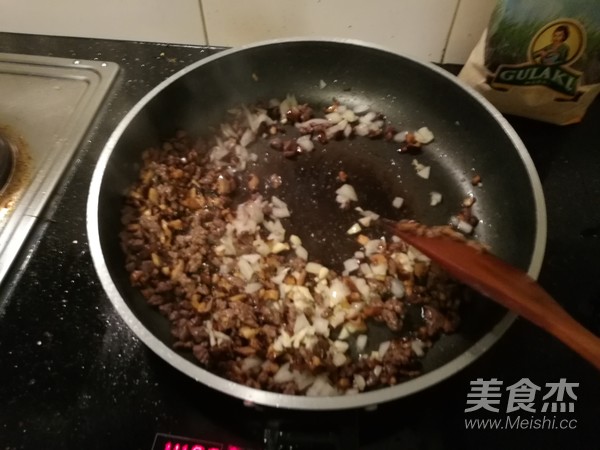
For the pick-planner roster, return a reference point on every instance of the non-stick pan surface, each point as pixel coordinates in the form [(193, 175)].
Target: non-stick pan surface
[(471, 138)]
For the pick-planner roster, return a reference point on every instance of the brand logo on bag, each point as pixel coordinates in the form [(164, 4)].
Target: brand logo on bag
[(551, 52)]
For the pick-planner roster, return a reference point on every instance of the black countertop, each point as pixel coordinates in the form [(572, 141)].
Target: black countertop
[(72, 374)]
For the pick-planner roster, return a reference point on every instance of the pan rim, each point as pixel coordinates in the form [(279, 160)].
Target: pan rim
[(264, 398)]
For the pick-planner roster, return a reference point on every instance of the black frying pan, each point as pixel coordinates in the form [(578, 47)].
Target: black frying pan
[(471, 137)]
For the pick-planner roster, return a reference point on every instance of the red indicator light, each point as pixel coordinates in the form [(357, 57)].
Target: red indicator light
[(177, 446), (170, 442)]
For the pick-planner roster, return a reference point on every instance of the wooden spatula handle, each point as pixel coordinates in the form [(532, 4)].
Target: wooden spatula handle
[(520, 293), (510, 287)]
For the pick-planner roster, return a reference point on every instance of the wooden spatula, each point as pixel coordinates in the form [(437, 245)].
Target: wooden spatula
[(505, 284)]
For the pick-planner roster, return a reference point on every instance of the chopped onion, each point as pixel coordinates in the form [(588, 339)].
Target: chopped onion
[(251, 362), (372, 247), (281, 274), (247, 138), (436, 198), (367, 216), (383, 348), (397, 202), (227, 246), (227, 130), (218, 153), (349, 116), (313, 267), (252, 258), (347, 191), (284, 374), (301, 323), (461, 225), (379, 270), (368, 117), (362, 129), (287, 104), (359, 382), (255, 120), (361, 109), (347, 130), (305, 143), (323, 273), (303, 379), (322, 84), (346, 194), (350, 265), (337, 318), (295, 340), (365, 221), (397, 288), (277, 232), (417, 165), (220, 337), (251, 288), (321, 325), (310, 124), (400, 137), (248, 216), (338, 291), (280, 209), (338, 359), (334, 129), (334, 117), (341, 346), (362, 286), (301, 252), (377, 125), (355, 228), (284, 339), (321, 388), (361, 342), (246, 269), (317, 269), (424, 135), (279, 247), (366, 270), (416, 255), (424, 172), (344, 333), (417, 347)]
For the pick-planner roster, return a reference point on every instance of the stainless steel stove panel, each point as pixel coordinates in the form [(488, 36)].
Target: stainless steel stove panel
[(46, 106)]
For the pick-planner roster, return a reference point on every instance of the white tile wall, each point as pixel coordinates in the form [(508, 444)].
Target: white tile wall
[(471, 19), (432, 30), (176, 21), (418, 28)]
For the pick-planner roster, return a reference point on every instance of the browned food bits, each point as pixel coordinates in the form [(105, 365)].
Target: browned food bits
[(242, 294), (476, 180)]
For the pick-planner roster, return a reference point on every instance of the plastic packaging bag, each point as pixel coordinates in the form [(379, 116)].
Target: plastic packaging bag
[(539, 59)]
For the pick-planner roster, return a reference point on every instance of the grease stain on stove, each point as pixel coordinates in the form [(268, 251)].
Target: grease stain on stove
[(21, 172)]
